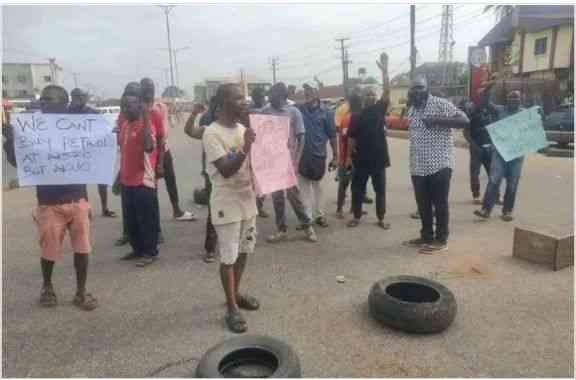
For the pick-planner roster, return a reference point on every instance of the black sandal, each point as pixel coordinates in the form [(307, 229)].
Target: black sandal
[(382, 224), (353, 223), (87, 302), (108, 214), (247, 302), (236, 322), (48, 298), (322, 222)]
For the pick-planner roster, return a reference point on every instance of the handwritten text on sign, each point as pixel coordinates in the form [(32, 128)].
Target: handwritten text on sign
[(62, 149), (271, 161), (519, 134)]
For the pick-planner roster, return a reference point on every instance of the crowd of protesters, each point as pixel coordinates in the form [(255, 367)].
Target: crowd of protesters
[(355, 132)]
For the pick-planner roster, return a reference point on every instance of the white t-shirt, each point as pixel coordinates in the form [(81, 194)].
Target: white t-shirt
[(233, 199)]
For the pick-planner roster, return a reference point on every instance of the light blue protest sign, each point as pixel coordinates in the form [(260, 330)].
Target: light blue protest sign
[(518, 134), (63, 149)]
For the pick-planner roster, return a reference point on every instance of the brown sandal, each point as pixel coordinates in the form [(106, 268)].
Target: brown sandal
[(48, 298), (88, 302)]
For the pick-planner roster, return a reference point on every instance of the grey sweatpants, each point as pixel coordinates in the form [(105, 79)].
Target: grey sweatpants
[(295, 199)]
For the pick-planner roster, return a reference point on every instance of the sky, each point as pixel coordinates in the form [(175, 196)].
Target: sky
[(111, 45)]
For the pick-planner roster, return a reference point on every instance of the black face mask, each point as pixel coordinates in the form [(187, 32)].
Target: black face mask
[(418, 98)]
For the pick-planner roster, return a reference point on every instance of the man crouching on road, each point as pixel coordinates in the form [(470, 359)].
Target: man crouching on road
[(233, 201)]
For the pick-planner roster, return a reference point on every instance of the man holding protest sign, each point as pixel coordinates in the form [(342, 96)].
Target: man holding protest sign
[(499, 169), (278, 106), (78, 105), (233, 201), (432, 161), (60, 208), (319, 125), (258, 96), (140, 137)]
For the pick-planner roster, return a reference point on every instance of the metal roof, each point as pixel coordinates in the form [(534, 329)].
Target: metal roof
[(531, 18)]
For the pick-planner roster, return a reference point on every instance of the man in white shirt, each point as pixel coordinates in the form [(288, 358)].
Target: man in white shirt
[(233, 201)]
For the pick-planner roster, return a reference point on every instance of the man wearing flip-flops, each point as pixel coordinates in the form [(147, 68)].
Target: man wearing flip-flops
[(227, 144), (60, 208)]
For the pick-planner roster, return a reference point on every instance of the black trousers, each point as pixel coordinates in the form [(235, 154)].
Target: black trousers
[(478, 159), (211, 237), (170, 178), (140, 205), (360, 178), (125, 220), (432, 192)]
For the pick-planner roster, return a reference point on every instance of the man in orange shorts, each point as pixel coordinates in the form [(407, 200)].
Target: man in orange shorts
[(60, 208)]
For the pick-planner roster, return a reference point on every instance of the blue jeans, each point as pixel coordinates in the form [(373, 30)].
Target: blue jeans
[(500, 169)]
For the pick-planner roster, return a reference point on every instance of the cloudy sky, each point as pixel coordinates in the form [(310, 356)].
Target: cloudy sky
[(110, 45)]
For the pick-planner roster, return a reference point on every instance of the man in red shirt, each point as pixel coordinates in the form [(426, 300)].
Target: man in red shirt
[(167, 161), (140, 136)]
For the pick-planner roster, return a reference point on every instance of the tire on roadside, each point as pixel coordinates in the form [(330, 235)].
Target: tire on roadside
[(412, 304), (267, 356)]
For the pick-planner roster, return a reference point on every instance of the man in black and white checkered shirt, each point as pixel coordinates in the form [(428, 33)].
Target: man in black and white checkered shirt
[(431, 120)]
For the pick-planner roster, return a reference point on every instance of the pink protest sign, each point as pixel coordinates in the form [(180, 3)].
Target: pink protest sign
[(271, 161)]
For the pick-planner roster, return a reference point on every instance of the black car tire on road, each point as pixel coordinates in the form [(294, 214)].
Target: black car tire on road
[(250, 356), (412, 304)]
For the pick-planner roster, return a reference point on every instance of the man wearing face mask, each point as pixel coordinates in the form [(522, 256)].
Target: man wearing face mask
[(431, 120), (500, 169)]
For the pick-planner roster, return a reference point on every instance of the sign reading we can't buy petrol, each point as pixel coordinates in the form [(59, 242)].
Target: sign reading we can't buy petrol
[(63, 149)]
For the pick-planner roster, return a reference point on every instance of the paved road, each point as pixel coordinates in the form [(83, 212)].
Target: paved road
[(515, 319)]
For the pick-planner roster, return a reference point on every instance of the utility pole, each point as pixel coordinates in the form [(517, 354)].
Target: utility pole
[(166, 9), (52, 65), (175, 55), (75, 75), (446, 45), (412, 42), (345, 63), (274, 63)]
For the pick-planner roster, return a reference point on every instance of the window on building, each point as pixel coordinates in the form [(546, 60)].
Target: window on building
[(47, 78), (21, 78), (4, 80), (540, 46), (22, 93)]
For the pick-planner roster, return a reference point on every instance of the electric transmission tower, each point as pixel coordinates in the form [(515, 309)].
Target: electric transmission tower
[(447, 42)]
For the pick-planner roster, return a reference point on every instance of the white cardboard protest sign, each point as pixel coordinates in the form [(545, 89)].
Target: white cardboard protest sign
[(271, 162), (64, 149)]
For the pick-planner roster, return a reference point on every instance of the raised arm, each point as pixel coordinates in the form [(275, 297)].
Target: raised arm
[(383, 66)]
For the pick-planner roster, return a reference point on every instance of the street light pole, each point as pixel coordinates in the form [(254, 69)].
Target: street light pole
[(175, 52), (166, 9)]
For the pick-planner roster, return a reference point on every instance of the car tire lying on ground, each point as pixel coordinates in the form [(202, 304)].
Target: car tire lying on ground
[(250, 356), (412, 304)]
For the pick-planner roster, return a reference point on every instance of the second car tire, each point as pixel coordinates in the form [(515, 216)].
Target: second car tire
[(250, 356), (412, 304)]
